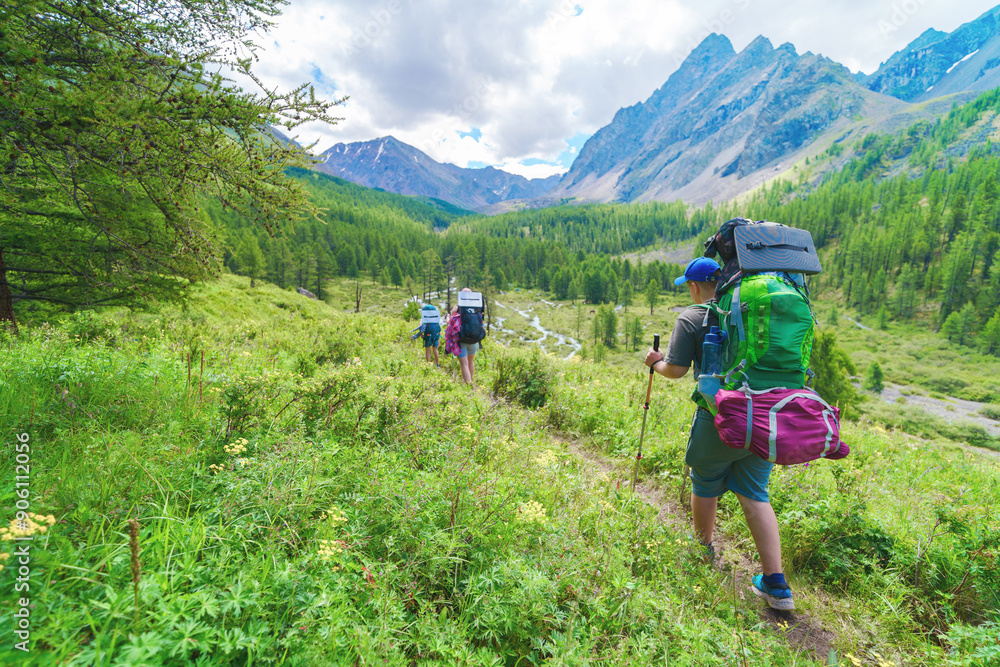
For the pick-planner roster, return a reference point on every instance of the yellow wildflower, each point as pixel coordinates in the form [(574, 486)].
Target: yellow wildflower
[(236, 448), (531, 512), (547, 458), (330, 549), (333, 515), (33, 523)]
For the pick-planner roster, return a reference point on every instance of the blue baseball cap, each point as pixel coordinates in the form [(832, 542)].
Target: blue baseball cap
[(700, 270)]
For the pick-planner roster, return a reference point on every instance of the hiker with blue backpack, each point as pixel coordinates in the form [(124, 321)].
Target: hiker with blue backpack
[(465, 331), (430, 332), (750, 319)]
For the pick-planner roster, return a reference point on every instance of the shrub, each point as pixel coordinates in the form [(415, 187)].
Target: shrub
[(835, 543), (946, 385), (833, 369), (970, 645), (523, 378), (411, 311), (977, 394), (86, 325), (990, 411), (874, 379)]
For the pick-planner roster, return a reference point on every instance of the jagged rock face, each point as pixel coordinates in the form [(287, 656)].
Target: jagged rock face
[(938, 63), (720, 115), (392, 165)]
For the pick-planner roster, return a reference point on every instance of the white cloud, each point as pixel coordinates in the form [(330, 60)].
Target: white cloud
[(532, 170), (531, 74)]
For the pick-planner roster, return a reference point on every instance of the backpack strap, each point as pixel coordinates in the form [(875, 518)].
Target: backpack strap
[(746, 444), (724, 315), (738, 309), (760, 245), (709, 307)]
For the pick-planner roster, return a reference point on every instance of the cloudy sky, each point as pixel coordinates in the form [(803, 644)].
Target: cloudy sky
[(521, 84)]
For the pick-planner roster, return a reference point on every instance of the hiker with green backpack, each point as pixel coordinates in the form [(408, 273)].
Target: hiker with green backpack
[(753, 318)]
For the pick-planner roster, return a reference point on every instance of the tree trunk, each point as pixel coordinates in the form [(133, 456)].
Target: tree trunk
[(6, 304)]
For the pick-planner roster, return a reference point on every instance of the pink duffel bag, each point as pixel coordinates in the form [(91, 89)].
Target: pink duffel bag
[(787, 426)]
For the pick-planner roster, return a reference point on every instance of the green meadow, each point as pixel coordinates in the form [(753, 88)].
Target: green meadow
[(306, 490)]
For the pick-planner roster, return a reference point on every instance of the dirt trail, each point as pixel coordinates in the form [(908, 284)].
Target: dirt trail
[(801, 632)]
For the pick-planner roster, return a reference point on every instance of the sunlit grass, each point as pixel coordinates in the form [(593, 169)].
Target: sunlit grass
[(310, 491)]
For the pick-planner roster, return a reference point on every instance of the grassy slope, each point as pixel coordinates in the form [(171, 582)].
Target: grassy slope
[(382, 512)]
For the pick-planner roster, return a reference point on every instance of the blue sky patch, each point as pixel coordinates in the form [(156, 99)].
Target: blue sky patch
[(566, 158), (320, 82)]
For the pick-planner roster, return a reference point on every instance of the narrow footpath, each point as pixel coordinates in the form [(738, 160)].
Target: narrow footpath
[(731, 558)]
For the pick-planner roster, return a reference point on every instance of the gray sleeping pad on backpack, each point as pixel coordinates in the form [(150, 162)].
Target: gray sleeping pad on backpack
[(768, 246)]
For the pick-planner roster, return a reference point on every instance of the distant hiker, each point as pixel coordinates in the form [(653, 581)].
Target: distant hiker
[(465, 331), (716, 467), (430, 332)]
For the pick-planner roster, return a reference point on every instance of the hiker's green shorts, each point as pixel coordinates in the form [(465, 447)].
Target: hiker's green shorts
[(432, 339), (716, 467)]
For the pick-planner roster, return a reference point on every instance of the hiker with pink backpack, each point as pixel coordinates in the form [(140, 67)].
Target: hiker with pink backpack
[(465, 331), (752, 316)]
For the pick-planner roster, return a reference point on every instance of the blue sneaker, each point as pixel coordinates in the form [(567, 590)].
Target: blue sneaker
[(777, 597)]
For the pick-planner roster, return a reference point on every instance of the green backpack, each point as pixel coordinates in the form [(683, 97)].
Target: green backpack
[(763, 303), (769, 330)]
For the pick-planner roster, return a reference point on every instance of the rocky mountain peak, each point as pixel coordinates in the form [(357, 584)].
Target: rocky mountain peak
[(713, 47), (938, 63), (393, 165), (721, 117)]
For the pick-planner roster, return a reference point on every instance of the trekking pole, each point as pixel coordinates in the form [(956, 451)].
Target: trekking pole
[(645, 411)]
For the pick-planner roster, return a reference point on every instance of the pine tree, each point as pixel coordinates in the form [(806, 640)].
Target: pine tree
[(905, 297), (874, 378), (832, 368), (572, 292), (117, 121), (989, 338), (625, 295), (635, 331), (251, 259), (593, 286), (652, 295), (955, 275), (395, 274)]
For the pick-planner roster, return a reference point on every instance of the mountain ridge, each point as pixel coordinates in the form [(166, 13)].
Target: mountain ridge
[(395, 166), (938, 63), (723, 124), (720, 118)]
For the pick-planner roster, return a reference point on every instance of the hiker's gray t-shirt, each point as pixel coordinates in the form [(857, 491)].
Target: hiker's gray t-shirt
[(687, 337)]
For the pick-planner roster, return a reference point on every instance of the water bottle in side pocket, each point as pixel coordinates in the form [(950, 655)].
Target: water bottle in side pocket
[(711, 367)]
